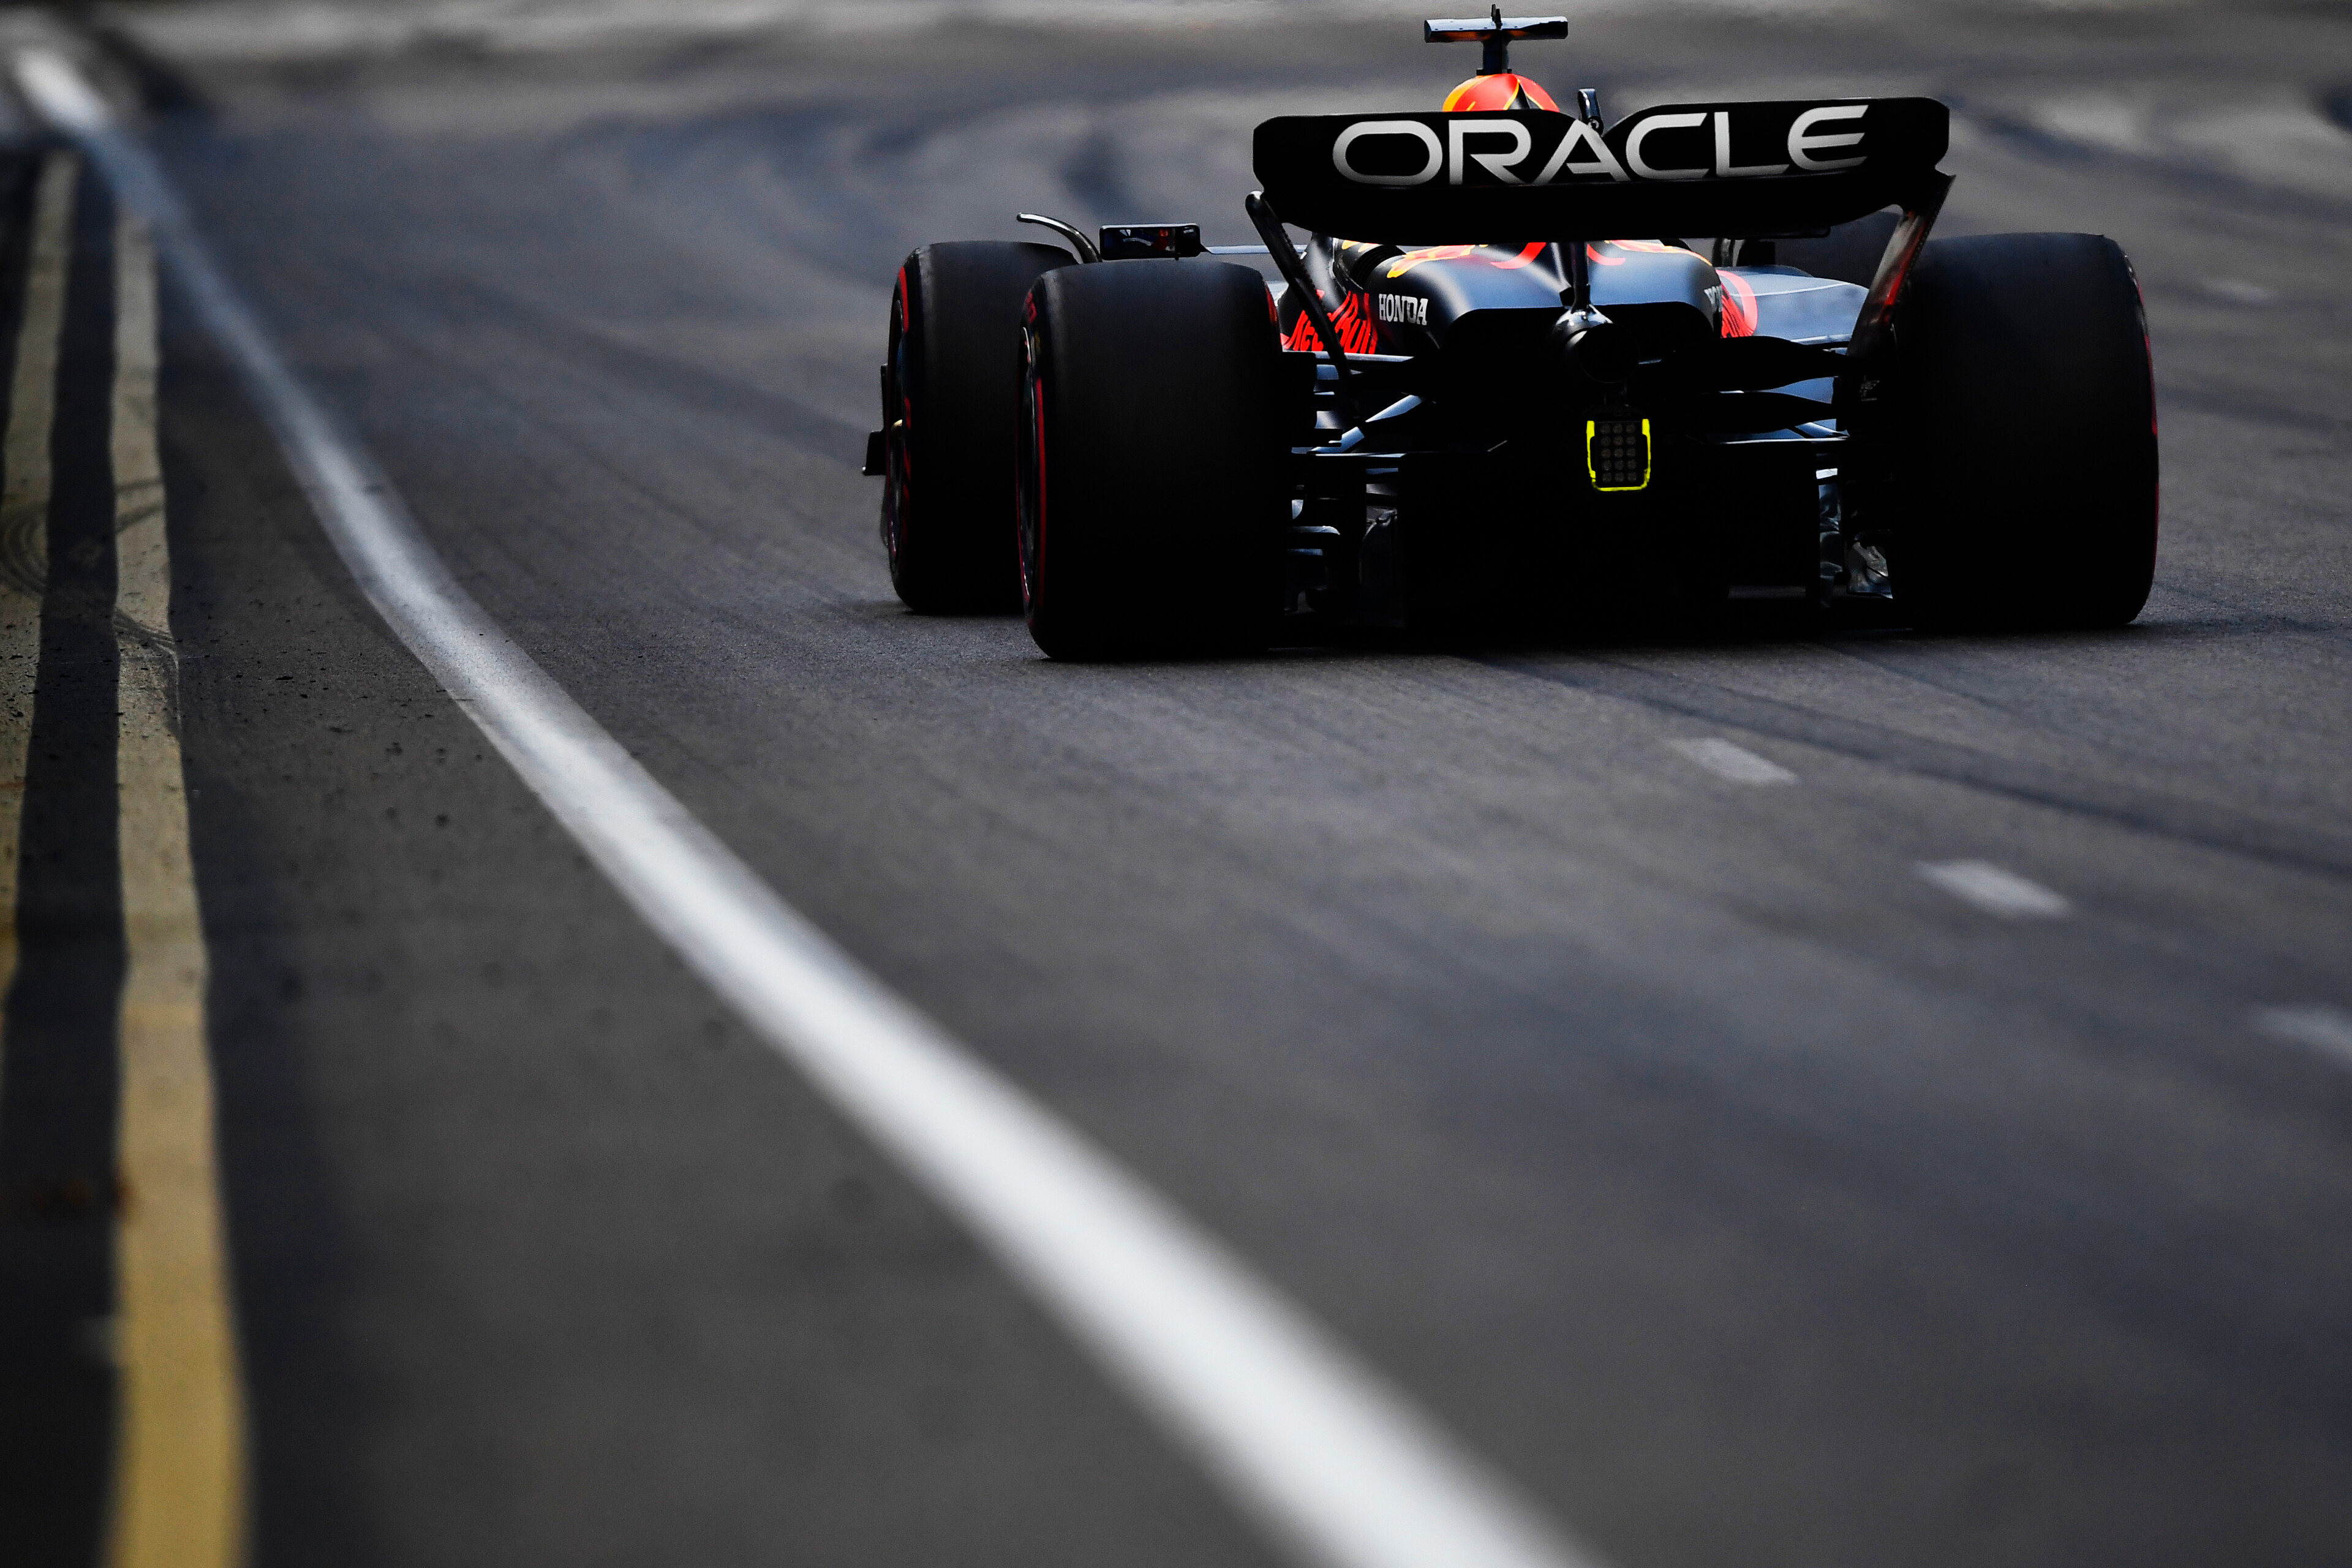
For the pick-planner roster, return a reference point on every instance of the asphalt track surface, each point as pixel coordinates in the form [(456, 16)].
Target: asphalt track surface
[(1741, 1181)]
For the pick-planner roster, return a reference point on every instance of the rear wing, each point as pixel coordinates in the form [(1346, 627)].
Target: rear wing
[(1727, 169)]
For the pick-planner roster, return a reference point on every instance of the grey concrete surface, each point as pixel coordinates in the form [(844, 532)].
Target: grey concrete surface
[(1742, 1195)]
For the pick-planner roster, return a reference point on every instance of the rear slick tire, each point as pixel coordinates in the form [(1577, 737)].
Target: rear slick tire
[(2028, 436), (1151, 478), (950, 414)]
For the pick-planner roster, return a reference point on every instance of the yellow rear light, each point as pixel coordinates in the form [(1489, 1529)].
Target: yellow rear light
[(1617, 451)]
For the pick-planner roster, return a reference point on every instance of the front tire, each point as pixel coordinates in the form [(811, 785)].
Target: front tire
[(2027, 435), (1150, 476), (949, 413)]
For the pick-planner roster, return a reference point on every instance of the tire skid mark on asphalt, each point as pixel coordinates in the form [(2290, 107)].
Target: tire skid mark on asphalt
[(2029, 782), (2231, 196), (179, 1472), (1336, 1466), (449, 320)]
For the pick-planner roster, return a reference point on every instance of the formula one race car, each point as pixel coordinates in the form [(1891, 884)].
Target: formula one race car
[(1512, 417)]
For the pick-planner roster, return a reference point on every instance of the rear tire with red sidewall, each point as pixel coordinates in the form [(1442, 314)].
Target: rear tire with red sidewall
[(2026, 435), (950, 412), (1152, 482)]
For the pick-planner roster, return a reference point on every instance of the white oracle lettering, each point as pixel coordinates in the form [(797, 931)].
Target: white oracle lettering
[(1724, 167), (1642, 133), (1802, 143), (1363, 128), (1458, 136), (1405, 309), (1581, 135)]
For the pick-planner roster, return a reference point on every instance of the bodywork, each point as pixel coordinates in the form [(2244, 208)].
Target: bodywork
[(1460, 458), (1475, 452)]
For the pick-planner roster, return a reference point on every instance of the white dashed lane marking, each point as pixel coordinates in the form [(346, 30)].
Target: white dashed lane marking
[(1736, 764), (2328, 1030), (1994, 889)]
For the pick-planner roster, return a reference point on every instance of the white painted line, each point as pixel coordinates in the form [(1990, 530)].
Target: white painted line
[(1993, 890), (2238, 291), (1736, 764), (1332, 1460), (2328, 1030)]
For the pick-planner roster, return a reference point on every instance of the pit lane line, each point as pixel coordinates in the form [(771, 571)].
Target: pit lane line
[(178, 1493), (1995, 890), (176, 1498), (2324, 1030), (25, 513), (1336, 1466), (1731, 762)]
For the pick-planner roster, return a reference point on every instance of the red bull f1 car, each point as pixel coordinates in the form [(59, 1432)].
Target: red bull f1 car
[(1501, 383)]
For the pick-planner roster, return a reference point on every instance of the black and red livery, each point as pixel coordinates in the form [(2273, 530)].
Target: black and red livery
[(1516, 388)]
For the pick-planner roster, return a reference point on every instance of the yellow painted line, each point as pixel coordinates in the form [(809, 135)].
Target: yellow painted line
[(24, 510), (179, 1472)]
